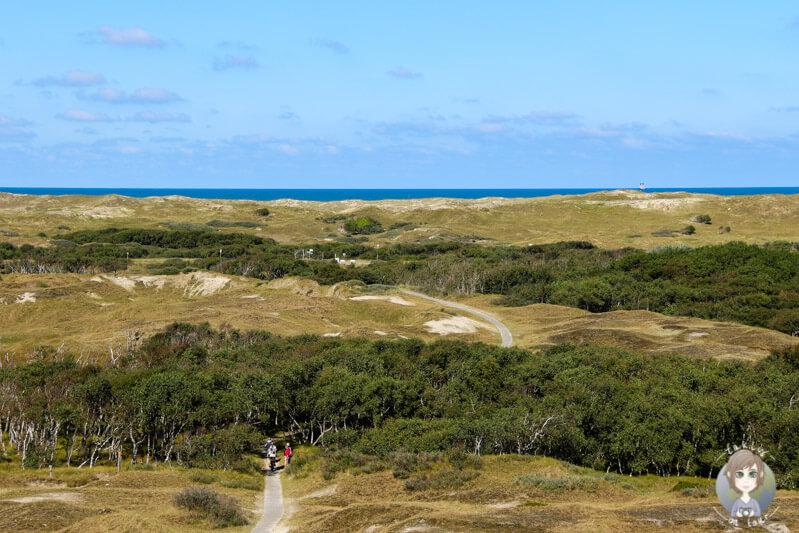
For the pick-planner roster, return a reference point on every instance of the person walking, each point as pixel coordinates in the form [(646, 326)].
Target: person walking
[(288, 454)]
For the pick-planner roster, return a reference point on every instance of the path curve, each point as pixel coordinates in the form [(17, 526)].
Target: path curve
[(504, 332), (273, 504)]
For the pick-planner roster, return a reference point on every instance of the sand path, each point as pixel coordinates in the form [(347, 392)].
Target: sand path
[(504, 332)]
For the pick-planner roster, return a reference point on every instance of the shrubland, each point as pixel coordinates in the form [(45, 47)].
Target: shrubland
[(757, 285), (201, 397)]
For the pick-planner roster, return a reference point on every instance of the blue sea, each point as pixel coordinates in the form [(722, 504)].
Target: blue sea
[(327, 195)]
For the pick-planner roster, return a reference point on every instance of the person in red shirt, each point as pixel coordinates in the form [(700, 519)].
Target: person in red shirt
[(288, 453)]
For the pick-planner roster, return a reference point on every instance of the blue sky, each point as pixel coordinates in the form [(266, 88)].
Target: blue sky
[(403, 94)]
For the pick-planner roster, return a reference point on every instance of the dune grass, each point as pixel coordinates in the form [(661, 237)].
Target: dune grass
[(607, 219)]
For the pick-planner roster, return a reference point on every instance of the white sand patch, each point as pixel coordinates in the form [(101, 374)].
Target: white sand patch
[(151, 281), (331, 334), (90, 294), (378, 332), (25, 297), (104, 304), (253, 297), (59, 496), (202, 283), (194, 284), (106, 212), (97, 279), (697, 334), (456, 324), (121, 281), (504, 505), (399, 300)]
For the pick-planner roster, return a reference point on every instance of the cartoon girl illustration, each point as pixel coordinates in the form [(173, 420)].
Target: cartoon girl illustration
[(745, 473)]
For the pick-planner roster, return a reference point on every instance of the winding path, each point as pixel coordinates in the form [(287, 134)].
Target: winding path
[(504, 332), (273, 504)]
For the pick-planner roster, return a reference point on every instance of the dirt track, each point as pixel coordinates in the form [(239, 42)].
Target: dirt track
[(504, 332)]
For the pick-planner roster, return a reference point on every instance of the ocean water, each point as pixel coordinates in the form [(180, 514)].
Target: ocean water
[(327, 195)]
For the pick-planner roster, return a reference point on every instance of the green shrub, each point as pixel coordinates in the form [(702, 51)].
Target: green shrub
[(688, 230), (222, 510), (262, 212), (363, 225), (701, 219), (692, 489)]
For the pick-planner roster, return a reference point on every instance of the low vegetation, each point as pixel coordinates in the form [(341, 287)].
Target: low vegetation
[(222, 510), (204, 398)]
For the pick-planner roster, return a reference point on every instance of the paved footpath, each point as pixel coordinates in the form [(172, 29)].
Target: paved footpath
[(504, 332), (273, 504)]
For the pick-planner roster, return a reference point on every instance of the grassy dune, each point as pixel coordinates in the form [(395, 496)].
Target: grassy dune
[(92, 315), (511, 493), (102, 499), (607, 219)]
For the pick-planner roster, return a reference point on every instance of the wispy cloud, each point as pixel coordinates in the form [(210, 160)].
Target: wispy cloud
[(139, 96), (229, 62), (78, 115), (15, 136), (6, 121), (335, 46), (540, 118), (404, 73), (10, 129), (129, 37), (237, 45), (148, 116), (73, 78)]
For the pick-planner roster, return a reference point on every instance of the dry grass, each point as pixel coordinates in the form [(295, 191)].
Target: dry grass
[(608, 219), (90, 315), (494, 502), (643, 331), (105, 500)]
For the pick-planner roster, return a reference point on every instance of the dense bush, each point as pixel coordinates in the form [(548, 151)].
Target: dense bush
[(363, 225), (222, 510)]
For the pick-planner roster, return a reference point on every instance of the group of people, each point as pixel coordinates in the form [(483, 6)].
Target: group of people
[(271, 454)]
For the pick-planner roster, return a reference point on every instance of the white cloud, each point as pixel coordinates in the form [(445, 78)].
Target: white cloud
[(6, 121), (149, 116), (139, 96), (129, 37), (83, 116), (288, 149), (335, 46), (73, 78), (229, 62), (404, 73)]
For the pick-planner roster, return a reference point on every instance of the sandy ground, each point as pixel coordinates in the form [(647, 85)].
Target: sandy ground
[(399, 300)]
